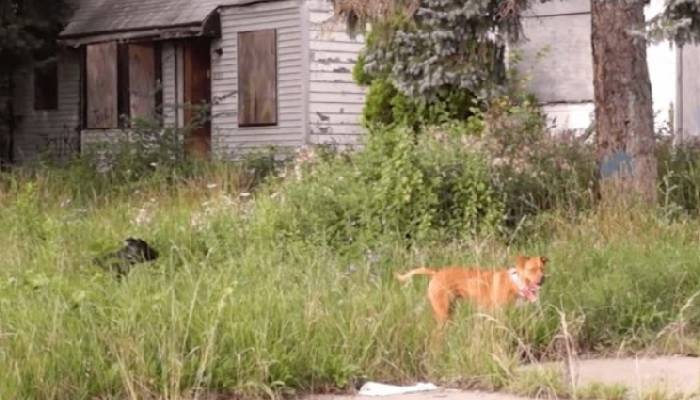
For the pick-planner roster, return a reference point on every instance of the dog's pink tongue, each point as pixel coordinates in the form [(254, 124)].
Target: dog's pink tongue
[(531, 292)]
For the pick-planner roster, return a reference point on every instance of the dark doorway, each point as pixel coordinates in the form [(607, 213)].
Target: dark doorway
[(197, 96)]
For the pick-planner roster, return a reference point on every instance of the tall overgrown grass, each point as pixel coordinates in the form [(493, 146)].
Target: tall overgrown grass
[(286, 286)]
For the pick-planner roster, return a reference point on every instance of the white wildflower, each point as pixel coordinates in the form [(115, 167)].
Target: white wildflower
[(197, 220), (143, 217)]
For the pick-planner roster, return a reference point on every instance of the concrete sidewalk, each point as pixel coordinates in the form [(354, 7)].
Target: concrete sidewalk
[(672, 375), (443, 394)]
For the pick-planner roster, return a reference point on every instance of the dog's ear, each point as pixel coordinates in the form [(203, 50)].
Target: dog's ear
[(544, 259), (520, 261)]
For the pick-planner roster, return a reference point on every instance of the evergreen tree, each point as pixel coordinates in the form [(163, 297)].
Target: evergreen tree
[(28, 28), (680, 22)]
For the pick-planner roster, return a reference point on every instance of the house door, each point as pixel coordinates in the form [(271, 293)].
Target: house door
[(197, 96)]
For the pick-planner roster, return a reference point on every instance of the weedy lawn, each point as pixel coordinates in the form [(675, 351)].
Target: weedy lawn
[(232, 307)]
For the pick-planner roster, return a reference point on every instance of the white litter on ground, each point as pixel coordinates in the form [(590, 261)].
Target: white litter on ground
[(380, 389)]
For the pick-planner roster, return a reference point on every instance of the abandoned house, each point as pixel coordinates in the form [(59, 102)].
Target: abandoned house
[(277, 73)]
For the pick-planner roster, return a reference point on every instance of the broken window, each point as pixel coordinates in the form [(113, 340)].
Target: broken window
[(46, 85), (121, 82), (257, 78)]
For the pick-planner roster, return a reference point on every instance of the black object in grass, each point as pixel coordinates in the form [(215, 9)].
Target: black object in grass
[(120, 262)]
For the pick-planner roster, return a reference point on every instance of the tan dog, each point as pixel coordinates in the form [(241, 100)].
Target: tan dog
[(487, 288)]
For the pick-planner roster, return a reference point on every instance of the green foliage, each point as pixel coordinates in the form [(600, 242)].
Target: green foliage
[(396, 187), (30, 28), (448, 93), (444, 45), (679, 22), (534, 171), (379, 109), (385, 106), (599, 391), (679, 172), (146, 147), (227, 311)]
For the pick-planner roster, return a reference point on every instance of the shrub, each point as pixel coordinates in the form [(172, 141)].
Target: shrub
[(385, 107), (397, 186), (454, 180), (530, 170)]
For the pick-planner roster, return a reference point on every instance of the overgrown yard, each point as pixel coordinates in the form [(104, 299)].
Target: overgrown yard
[(290, 289)]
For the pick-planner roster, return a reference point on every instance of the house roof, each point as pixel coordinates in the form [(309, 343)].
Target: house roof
[(105, 18)]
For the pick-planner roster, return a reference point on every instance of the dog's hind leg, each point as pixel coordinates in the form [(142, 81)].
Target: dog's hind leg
[(440, 300)]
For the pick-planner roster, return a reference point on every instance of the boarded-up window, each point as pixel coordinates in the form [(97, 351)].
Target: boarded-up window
[(257, 78), (101, 86), (142, 80), (122, 83), (46, 85)]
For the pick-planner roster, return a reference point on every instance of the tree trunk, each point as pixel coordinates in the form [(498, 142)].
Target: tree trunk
[(623, 102)]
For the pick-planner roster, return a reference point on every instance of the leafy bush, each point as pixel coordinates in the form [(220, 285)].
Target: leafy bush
[(455, 180), (398, 186), (386, 106), (141, 150), (534, 170), (531, 171)]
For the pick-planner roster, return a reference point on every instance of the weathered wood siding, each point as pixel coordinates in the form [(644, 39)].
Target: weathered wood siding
[(285, 17), (335, 100), (54, 131)]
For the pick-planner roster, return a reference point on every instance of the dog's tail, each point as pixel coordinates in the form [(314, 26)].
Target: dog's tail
[(418, 271)]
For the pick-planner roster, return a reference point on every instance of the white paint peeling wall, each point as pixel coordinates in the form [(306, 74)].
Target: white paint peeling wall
[(335, 100), (57, 130), (557, 59), (689, 93), (227, 137), (169, 84)]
